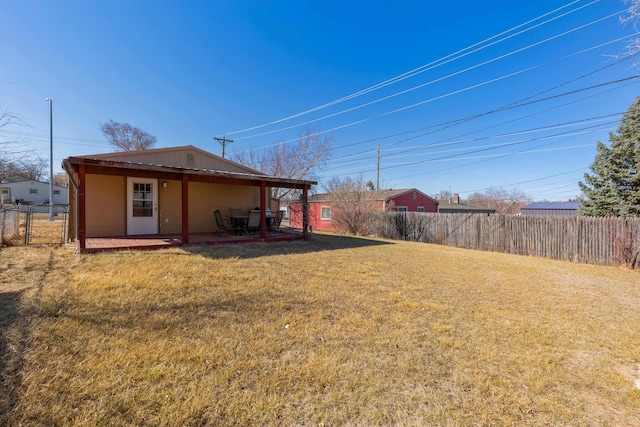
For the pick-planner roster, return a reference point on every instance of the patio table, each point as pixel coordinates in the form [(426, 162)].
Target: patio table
[(239, 223)]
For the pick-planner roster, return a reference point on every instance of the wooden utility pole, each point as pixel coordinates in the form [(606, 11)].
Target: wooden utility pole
[(223, 141)]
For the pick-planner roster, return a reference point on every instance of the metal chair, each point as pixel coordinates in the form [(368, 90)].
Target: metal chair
[(220, 223), (253, 223), (276, 220)]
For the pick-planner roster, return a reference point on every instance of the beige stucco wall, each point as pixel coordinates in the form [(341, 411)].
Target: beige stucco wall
[(204, 198), (106, 211), (105, 205), (170, 207)]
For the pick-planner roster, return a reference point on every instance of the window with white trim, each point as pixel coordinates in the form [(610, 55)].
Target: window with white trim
[(420, 208), (325, 212), (403, 209), (33, 191), (56, 192)]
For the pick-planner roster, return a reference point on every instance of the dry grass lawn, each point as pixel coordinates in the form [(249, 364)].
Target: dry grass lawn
[(335, 331)]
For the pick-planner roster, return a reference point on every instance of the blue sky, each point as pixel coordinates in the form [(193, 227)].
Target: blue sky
[(189, 71)]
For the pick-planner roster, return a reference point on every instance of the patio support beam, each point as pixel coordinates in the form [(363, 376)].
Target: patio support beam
[(305, 213), (263, 209), (82, 211), (185, 208)]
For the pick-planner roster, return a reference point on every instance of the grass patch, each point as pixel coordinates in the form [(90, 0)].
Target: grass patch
[(335, 331)]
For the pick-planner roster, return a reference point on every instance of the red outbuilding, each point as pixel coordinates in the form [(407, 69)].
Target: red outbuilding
[(320, 206)]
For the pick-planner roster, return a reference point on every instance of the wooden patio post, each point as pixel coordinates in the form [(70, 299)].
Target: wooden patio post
[(305, 213), (82, 211), (263, 209), (185, 208)]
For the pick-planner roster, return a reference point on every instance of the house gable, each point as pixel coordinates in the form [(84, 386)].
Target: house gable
[(188, 156), (412, 200)]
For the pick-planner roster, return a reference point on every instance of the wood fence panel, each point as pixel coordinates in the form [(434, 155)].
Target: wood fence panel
[(602, 241)]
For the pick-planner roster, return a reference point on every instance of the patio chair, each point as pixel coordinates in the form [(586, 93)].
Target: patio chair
[(220, 223), (253, 223), (276, 220), (235, 212)]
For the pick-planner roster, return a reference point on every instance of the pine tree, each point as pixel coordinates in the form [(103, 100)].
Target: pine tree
[(613, 187)]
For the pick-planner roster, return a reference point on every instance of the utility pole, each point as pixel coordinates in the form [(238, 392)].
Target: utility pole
[(50, 101), (378, 170), (223, 141)]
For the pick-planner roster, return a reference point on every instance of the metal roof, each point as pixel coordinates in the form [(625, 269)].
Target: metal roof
[(553, 205), (71, 163)]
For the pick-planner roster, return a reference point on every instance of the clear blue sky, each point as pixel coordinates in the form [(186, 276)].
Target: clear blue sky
[(188, 71)]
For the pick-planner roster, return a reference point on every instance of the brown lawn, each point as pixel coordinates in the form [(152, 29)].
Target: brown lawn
[(334, 331)]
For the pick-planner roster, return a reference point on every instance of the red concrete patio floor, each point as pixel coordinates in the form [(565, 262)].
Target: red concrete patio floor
[(156, 241)]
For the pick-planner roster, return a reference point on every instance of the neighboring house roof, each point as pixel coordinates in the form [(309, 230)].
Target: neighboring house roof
[(12, 183), (553, 205), (447, 206), (381, 195)]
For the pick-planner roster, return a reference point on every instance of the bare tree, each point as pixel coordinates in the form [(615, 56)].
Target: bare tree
[(14, 167), (125, 137), (504, 201), (34, 169), (25, 169), (7, 118), (60, 179), (294, 160), (632, 17), (352, 204)]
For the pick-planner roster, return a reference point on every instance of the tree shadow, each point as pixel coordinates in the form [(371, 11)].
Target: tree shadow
[(317, 243)]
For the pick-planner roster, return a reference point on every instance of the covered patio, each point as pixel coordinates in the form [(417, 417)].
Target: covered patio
[(157, 241), (177, 203)]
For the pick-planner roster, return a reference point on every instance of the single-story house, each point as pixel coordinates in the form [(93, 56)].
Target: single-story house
[(31, 193), (551, 208), (163, 191), (456, 205), (320, 206)]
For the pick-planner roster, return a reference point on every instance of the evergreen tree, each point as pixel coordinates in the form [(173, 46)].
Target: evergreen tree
[(613, 187)]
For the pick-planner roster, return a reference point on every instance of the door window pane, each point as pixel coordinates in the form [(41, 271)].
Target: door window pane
[(142, 200)]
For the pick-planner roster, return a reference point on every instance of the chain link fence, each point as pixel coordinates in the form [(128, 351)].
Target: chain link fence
[(34, 225)]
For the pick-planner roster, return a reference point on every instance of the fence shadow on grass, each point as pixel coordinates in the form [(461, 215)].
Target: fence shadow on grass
[(317, 243)]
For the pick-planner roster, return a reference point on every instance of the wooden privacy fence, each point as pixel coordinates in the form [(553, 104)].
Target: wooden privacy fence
[(602, 241)]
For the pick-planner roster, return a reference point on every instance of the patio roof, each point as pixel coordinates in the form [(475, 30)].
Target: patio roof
[(78, 168), (112, 167)]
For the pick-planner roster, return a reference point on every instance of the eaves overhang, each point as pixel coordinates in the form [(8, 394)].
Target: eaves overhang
[(112, 167)]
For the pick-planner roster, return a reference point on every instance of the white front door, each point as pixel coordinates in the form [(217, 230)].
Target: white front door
[(142, 206)]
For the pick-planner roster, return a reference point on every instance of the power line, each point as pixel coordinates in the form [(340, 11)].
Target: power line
[(466, 141), (475, 86), (449, 76), (574, 133), (418, 70), (514, 105)]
